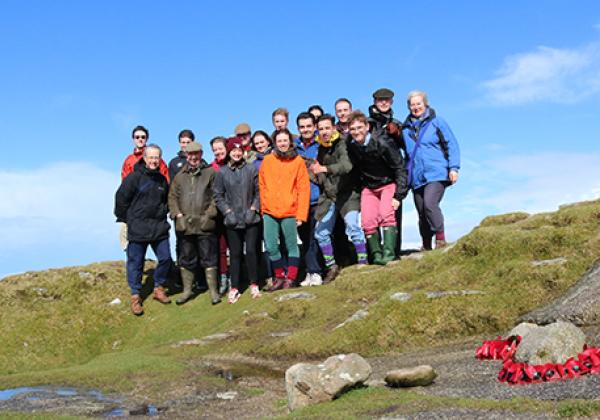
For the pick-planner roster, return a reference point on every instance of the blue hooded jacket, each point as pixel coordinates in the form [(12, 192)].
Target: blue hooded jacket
[(429, 162), (309, 154)]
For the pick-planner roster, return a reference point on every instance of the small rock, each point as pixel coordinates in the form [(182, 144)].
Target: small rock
[(418, 376), (229, 395), (295, 295), (375, 383), (115, 301), (357, 316), (192, 342), (116, 344), (308, 384), (84, 275), (217, 337), (554, 343), (555, 261), (401, 297), (246, 312), (281, 334), (437, 295)]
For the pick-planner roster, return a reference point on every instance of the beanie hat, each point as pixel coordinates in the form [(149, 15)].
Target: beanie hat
[(234, 142)]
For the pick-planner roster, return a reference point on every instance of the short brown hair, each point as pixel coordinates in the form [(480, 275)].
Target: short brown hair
[(358, 116), (281, 111)]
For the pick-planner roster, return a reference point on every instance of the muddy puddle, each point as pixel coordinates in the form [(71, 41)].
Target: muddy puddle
[(71, 401)]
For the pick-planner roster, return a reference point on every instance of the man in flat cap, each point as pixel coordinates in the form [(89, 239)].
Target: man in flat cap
[(192, 206), (381, 118)]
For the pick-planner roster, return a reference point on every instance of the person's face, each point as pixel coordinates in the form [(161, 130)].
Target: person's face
[(307, 128), (283, 142), (152, 159), (193, 159), (316, 113), (236, 154), (183, 142), (245, 138), (342, 111), (359, 131), (260, 143), (140, 138), (325, 129), (384, 105), (219, 150), (417, 106), (280, 122)]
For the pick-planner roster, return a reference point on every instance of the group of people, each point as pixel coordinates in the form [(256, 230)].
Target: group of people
[(247, 209)]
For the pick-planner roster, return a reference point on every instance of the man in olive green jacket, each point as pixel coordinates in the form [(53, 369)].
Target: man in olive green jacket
[(192, 206)]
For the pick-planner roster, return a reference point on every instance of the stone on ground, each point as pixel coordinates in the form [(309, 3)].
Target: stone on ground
[(554, 343), (418, 376), (308, 384)]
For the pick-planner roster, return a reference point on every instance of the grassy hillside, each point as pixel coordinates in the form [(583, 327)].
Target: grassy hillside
[(58, 326)]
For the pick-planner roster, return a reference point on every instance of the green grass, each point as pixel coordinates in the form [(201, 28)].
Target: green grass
[(58, 327)]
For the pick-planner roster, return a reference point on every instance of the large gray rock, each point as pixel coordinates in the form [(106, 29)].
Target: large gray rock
[(523, 329), (554, 343), (418, 376), (308, 384), (579, 305)]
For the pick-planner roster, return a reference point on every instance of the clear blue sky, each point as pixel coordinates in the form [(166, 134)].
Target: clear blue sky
[(518, 82)]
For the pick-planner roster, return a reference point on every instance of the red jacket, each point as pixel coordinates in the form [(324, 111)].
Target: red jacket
[(134, 158)]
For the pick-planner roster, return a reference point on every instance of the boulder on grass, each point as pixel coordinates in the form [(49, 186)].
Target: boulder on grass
[(308, 384)]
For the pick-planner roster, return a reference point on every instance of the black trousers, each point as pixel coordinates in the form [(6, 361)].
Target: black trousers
[(198, 251), (236, 238), (427, 201)]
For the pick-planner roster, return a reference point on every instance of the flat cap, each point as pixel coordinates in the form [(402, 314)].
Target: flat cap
[(383, 93), (193, 147), (242, 128)]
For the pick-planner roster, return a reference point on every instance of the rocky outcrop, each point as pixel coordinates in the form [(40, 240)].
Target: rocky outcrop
[(308, 384), (580, 305), (418, 376), (554, 343)]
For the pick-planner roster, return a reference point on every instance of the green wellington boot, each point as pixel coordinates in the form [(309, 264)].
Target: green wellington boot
[(390, 234), (374, 244), (211, 279), (187, 278)]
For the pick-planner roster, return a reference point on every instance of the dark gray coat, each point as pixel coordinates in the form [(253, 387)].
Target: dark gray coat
[(236, 192)]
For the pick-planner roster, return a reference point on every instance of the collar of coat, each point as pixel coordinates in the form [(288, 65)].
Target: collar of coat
[(334, 137)]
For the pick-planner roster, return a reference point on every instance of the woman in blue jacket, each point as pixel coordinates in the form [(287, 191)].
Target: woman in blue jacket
[(434, 162)]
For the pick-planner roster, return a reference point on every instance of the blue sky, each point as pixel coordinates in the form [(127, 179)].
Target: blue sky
[(518, 82)]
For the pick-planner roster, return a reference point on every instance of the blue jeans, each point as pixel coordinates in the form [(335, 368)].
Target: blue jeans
[(136, 254), (310, 247), (325, 226)]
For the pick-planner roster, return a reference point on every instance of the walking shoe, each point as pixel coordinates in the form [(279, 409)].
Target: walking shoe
[(316, 279), (277, 284), (333, 272), (136, 305), (254, 292), (440, 243), (234, 295), (307, 280), (268, 284), (287, 284), (161, 296)]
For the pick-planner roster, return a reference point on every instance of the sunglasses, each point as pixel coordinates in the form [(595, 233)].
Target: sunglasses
[(244, 134), (139, 137)]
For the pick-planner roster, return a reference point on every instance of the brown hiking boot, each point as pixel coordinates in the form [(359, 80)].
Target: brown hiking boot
[(277, 284), (161, 296), (333, 272), (136, 305), (440, 243)]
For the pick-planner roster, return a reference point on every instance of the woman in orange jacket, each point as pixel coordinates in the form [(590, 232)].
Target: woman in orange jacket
[(284, 200)]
